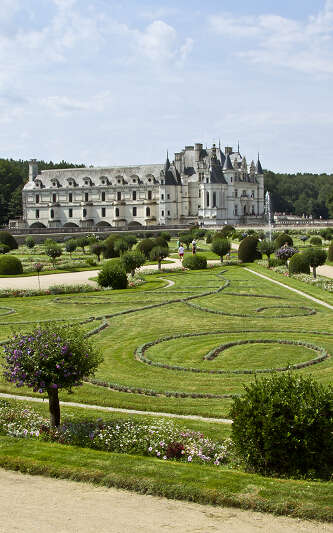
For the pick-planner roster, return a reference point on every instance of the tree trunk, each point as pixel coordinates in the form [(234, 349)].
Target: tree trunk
[(221, 257), (314, 272), (159, 265), (132, 273), (54, 407)]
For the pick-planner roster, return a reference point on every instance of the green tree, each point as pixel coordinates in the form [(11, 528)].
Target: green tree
[(121, 246), (30, 242), (220, 247), (132, 260), (82, 242), (53, 251), (97, 249), (315, 257), (70, 246), (266, 247), (158, 253)]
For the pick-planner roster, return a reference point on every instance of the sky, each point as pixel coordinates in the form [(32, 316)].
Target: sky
[(105, 82)]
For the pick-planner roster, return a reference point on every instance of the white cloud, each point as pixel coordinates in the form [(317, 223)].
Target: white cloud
[(275, 40), (65, 105)]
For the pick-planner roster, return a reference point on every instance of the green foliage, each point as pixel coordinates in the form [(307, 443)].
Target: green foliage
[(160, 241), (274, 262), (247, 251), (220, 247), (284, 425), (97, 248), (109, 252), (298, 264), (227, 230), (145, 246), (166, 236), (315, 257), (282, 239), (330, 252), (130, 239), (209, 237), (316, 241), (195, 262), (53, 250), (121, 245), (29, 241), (7, 238), (266, 247), (4, 249), (70, 246), (82, 242), (132, 260), (186, 238), (10, 265), (158, 253), (112, 274), (326, 233)]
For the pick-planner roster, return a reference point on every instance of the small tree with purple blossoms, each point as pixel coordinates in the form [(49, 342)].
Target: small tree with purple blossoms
[(48, 359), (285, 252), (38, 267)]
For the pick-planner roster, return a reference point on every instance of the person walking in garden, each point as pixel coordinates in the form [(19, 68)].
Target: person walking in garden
[(194, 247), (181, 252)]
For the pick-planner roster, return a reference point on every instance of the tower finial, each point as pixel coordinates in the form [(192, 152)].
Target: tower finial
[(238, 147)]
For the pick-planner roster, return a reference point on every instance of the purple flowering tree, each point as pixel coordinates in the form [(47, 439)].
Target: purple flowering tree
[(49, 359), (285, 252)]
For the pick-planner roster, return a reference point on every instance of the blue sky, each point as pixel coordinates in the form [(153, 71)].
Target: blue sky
[(108, 82)]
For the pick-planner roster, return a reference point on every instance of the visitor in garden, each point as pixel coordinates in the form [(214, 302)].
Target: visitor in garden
[(181, 252), (194, 247), (178, 243)]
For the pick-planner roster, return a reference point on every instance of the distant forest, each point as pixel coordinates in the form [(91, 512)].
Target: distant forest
[(309, 194)]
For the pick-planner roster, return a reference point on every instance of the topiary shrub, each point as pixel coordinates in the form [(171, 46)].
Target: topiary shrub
[(29, 242), (330, 252), (109, 252), (247, 251), (195, 262), (227, 230), (145, 246), (282, 239), (10, 265), (285, 252), (7, 238), (298, 264), (284, 425), (112, 274), (316, 241), (274, 262), (315, 257), (132, 260), (220, 247)]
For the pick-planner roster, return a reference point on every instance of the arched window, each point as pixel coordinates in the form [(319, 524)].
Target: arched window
[(118, 196), (103, 196), (207, 199), (214, 199), (149, 195), (147, 211), (236, 209), (37, 198), (37, 213), (52, 213), (134, 195), (54, 198), (134, 211), (84, 213), (117, 212)]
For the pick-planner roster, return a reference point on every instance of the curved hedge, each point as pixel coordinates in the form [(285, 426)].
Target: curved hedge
[(282, 239), (7, 238), (298, 264), (10, 265), (247, 251), (195, 262)]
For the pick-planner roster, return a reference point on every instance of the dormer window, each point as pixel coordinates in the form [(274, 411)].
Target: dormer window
[(149, 179), (86, 182)]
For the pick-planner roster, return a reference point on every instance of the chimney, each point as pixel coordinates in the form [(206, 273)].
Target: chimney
[(197, 151), (33, 169)]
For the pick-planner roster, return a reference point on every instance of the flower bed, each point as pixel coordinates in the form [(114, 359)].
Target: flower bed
[(55, 289), (323, 283)]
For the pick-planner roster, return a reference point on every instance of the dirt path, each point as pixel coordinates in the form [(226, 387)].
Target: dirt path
[(34, 504)]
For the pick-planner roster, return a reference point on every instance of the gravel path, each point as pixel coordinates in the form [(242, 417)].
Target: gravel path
[(35, 504)]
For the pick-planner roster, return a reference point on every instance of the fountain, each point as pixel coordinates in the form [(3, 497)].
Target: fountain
[(268, 213)]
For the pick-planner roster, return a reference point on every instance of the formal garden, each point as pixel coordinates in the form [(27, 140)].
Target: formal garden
[(213, 344)]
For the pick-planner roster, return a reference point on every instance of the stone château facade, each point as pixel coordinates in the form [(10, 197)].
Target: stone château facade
[(210, 187)]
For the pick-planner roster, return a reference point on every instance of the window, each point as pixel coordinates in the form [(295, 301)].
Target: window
[(117, 212), (119, 181), (207, 199), (147, 211), (134, 195), (52, 213), (252, 194), (236, 210), (168, 196), (214, 199), (103, 212), (54, 198), (37, 213), (162, 182), (149, 179), (118, 196), (86, 197), (103, 196), (162, 196), (149, 195), (236, 193), (230, 180), (84, 213), (168, 213), (37, 198), (162, 213), (199, 193), (134, 211), (70, 197), (253, 213), (70, 212)]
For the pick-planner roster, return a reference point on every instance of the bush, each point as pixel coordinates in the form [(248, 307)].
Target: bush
[(82, 242), (53, 250), (160, 241), (247, 251), (326, 234), (186, 238), (10, 265), (109, 252), (158, 253), (132, 260), (266, 247), (97, 248), (284, 425), (4, 249), (298, 264), (285, 252), (29, 242), (282, 239), (316, 241), (7, 238), (195, 262), (209, 237), (227, 230), (145, 246), (274, 262), (220, 247), (315, 257), (165, 235), (121, 245), (112, 275), (130, 239), (330, 252), (70, 246)]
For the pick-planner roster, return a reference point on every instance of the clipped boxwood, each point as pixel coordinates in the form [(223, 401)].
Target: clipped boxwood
[(284, 425), (282, 239), (298, 264), (195, 262), (10, 265), (247, 251), (112, 275), (316, 241), (8, 239)]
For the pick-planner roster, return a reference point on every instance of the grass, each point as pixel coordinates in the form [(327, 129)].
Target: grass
[(146, 475)]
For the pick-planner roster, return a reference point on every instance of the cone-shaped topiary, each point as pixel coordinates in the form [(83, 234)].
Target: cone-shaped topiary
[(247, 251), (298, 264), (10, 265)]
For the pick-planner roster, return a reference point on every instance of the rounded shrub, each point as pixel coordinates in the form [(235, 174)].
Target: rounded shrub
[(109, 251), (112, 274), (195, 262), (10, 265), (227, 230), (29, 242), (247, 251), (298, 264), (316, 241), (284, 425), (7, 238), (145, 246), (281, 239), (4, 249)]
